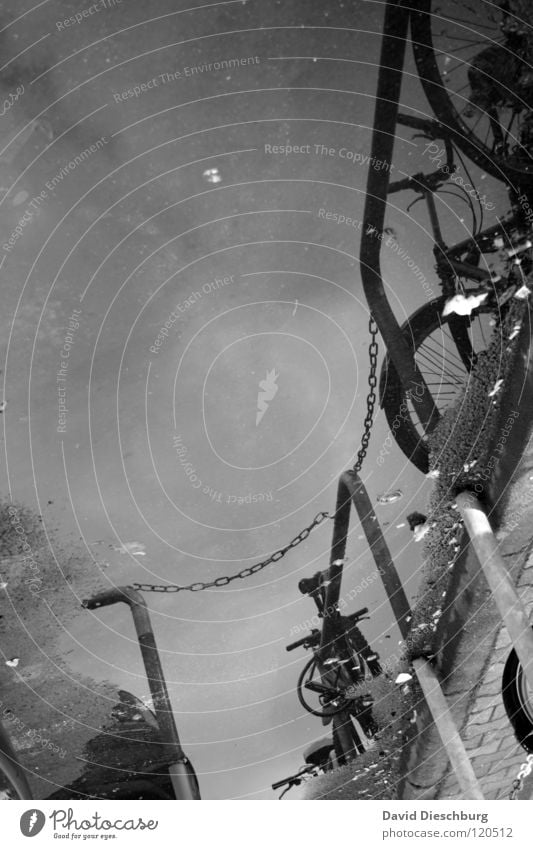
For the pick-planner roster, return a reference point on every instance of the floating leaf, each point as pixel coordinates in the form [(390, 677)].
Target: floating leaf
[(390, 497)]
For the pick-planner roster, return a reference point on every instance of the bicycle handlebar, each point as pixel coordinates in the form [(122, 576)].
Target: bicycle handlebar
[(430, 128), (358, 613), (311, 639), (293, 779)]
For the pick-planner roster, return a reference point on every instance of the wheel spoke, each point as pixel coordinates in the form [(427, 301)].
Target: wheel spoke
[(451, 39)]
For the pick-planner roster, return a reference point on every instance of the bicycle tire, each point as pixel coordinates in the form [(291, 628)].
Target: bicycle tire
[(311, 667), (393, 399), (518, 702), (499, 166)]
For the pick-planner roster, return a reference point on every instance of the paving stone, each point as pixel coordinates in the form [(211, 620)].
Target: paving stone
[(494, 672), (472, 732), (487, 749), (491, 686), (504, 640), (474, 742), (500, 712), (486, 701), (482, 716)]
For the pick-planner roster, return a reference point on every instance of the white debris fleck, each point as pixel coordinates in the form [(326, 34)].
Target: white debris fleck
[(20, 197), (14, 662), (521, 293), (463, 304), (496, 388), (433, 474), (401, 525), (516, 329), (468, 466), (136, 549), (212, 175), (420, 531), (403, 678), (390, 497), (523, 246)]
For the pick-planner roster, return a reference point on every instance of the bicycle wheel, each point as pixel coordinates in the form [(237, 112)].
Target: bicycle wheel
[(518, 701), (319, 698), (477, 75), (445, 349)]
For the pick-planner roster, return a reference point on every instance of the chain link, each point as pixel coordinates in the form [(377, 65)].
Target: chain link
[(523, 772), (371, 397), (223, 581)]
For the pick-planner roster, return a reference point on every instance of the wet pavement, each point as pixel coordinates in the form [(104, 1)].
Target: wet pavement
[(185, 346)]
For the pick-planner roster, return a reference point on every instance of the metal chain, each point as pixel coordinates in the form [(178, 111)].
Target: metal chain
[(223, 581), (523, 772), (371, 397), (244, 573)]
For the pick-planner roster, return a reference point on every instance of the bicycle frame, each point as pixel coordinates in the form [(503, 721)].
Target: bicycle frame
[(386, 119), (449, 264)]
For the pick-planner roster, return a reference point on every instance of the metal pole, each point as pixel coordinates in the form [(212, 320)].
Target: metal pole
[(330, 629), (180, 770), (379, 548), (502, 588), (351, 488), (385, 120), (447, 730)]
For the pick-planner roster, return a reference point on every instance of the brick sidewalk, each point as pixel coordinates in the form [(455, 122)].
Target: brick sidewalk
[(488, 735), (474, 643)]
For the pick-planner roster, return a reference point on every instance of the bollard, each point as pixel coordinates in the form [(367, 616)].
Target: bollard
[(447, 729), (501, 586), (181, 772)]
